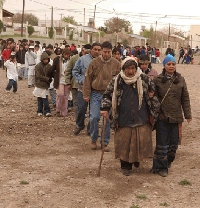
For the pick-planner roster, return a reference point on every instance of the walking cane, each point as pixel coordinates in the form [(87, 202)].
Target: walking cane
[(102, 144)]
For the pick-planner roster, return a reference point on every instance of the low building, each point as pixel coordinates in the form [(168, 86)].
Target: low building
[(194, 36)]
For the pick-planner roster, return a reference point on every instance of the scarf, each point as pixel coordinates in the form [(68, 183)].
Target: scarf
[(128, 81)]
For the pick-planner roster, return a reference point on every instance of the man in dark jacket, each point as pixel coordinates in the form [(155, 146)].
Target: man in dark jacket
[(43, 78), (20, 56), (181, 54)]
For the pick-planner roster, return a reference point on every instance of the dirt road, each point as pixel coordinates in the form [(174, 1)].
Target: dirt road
[(44, 166)]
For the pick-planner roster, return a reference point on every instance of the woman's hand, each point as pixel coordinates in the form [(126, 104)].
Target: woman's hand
[(151, 94), (104, 114)]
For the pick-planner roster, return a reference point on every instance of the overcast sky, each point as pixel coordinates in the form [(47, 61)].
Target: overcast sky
[(145, 12)]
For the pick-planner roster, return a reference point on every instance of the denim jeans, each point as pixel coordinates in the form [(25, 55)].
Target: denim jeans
[(82, 109), (95, 102), (25, 73), (43, 105), (12, 83), (52, 93)]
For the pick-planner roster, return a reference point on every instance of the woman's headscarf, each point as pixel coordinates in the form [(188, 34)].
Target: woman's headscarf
[(129, 61)]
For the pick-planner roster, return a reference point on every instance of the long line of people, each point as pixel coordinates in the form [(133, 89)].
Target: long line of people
[(119, 85)]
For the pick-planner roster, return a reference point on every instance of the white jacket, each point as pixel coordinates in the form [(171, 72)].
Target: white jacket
[(11, 70)]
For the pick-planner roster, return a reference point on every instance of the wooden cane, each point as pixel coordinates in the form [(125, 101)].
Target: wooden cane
[(102, 144)]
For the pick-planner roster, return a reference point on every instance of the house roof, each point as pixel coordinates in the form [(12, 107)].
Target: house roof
[(177, 36), (89, 29), (7, 13), (137, 37)]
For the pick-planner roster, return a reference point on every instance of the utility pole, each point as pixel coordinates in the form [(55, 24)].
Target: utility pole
[(169, 32), (60, 19), (22, 23), (83, 27), (117, 25), (51, 16)]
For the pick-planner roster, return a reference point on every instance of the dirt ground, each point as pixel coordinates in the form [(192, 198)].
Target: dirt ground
[(61, 171)]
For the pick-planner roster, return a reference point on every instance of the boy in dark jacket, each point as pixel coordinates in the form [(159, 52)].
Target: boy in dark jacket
[(43, 78)]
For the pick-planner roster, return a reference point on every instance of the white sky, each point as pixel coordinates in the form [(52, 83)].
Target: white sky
[(145, 12)]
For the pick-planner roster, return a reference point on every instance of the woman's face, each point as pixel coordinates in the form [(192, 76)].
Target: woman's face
[(130, 71), (170, 67)]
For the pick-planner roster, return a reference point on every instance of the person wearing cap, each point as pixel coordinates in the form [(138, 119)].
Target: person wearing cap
[(145, 65), (98, 75), (130, 97), (78, 73), (30, 63), (43, 78), (171, 90)]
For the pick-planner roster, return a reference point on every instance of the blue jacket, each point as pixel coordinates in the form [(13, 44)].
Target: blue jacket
[(79, 69)]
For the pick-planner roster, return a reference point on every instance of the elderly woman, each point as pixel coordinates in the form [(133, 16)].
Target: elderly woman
[(173, 95), (130, 95)]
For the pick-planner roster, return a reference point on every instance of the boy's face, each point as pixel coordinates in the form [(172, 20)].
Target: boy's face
[(14, 59), (46, 61), (117, 55)]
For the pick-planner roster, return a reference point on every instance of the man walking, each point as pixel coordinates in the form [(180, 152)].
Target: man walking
[(98, 75), (30, 64), (79, 75)]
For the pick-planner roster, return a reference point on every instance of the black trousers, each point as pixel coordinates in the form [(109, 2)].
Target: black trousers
[(167, 137)]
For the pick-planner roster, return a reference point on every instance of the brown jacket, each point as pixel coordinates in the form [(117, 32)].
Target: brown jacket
[(43, 73), (176, 101), (99, 74)]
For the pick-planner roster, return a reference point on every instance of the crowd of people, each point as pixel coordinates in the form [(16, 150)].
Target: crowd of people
[(118, 84)]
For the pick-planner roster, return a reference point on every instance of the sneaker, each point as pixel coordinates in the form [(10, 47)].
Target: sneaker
[(29, 86), (169, 164), (126, 172), (39, 114), (93, 146), (48, 114), (7, 90), (136, 164), (163, 173), (77, 130)]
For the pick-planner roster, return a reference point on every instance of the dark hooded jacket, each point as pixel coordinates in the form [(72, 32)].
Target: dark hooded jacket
[(175, 101), (43, 73)]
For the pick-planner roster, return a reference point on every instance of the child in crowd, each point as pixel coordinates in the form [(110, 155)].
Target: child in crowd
[(12, 74), (145, 65), (43, 78)]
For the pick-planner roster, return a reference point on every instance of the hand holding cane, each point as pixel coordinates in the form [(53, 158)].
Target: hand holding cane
[(102, 143)]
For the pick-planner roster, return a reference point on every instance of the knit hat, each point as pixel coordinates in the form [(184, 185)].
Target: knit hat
[(168, 58), (128, 61)]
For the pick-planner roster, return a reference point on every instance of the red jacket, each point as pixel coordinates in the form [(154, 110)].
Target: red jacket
[(157, 53), (6, 54)]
